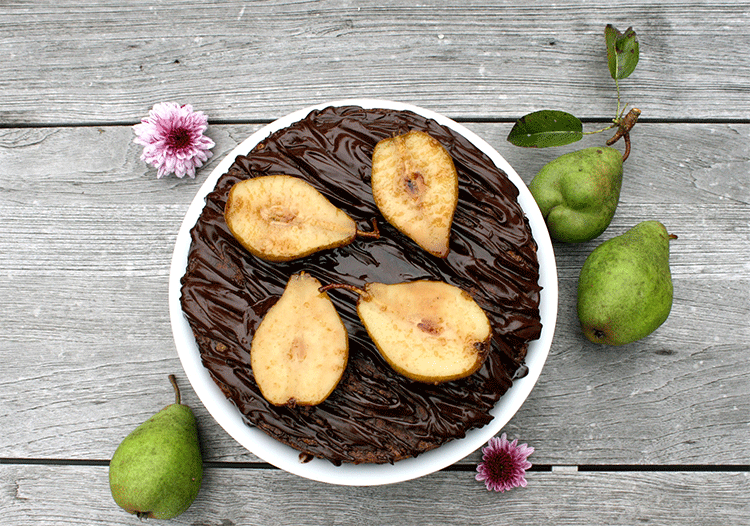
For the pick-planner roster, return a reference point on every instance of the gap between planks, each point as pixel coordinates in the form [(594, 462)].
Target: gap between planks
[(263, 122), (584, 468)]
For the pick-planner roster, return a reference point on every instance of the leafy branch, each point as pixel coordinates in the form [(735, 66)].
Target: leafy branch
[(546, 128)]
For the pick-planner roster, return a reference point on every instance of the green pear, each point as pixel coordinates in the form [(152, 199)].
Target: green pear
[(156, 471), (578, 193), (625, 286)]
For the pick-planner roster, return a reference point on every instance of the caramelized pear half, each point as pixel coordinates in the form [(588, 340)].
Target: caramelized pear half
[(280, 218), (428, 331), (415, 186), (300, 349)]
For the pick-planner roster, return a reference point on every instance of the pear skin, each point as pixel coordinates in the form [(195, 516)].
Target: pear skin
[(625, 286), (578, 193), (156, 471)]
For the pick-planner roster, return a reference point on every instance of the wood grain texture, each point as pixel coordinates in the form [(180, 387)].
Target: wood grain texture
[(62, 495), (658, 429), (107, 61), (86, 237)]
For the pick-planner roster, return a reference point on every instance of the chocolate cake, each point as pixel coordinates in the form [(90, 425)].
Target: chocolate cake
[(374, 415)]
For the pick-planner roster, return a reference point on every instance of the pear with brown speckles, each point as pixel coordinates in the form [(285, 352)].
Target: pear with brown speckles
[(300, 349), (415, 186), (428, 331), (625, 287), (281, 218), (156, 471)]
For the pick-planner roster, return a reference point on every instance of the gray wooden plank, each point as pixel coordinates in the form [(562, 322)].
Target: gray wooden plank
[(109, 61), (86, 234), (62, 495)]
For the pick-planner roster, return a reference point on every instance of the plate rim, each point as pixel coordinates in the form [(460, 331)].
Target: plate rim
[(284, 457)]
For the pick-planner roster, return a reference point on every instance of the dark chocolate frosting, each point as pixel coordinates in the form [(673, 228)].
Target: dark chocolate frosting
[(375, 414)]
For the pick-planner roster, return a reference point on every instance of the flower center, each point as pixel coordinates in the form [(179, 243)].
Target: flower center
[(179, 138), (500, 466)]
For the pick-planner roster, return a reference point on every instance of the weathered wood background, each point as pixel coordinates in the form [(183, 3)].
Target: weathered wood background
[(657, 431)]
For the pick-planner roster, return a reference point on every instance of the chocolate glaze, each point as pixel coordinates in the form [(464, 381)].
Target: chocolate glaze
[(374, 415)]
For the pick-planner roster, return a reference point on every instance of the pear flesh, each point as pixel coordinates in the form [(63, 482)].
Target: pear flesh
[(625, 286), (415, 186), (300, 349), (281, 218), (578, 193), (157, 469), (428, 331)]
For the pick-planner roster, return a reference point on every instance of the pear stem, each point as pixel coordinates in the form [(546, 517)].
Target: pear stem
[(624, 126), (626, 153), (350, 288), (173, 380), (375, 234)]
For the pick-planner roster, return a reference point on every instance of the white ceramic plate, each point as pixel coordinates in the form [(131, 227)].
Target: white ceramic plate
[(287, 458)]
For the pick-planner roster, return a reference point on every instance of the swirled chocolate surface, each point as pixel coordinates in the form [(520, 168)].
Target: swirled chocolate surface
[(374, 415)]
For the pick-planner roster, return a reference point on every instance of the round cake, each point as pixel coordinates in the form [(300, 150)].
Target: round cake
[(374, 415)]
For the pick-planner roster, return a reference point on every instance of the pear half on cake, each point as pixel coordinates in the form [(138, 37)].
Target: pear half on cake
[(281, 218), (428, 331), (415, 186), (301, 347)]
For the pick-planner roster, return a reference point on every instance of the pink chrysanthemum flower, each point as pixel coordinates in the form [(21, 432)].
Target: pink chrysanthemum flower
[(173, 140), (504, 464)]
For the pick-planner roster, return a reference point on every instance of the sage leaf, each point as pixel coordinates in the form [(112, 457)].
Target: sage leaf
[(545, 128), (622, 51)]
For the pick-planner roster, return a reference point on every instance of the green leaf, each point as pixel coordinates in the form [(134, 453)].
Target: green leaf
[(545, 128), (622, 51)]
